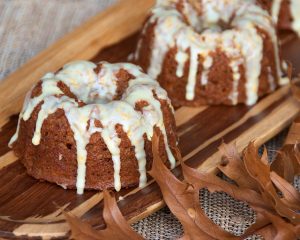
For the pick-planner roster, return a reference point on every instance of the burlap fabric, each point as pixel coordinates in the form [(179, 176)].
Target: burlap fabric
[(29, 26), (232, 215)]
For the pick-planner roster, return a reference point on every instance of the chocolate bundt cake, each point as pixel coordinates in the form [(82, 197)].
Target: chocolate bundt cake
[(90, 126), (211, 51), (286, 14)]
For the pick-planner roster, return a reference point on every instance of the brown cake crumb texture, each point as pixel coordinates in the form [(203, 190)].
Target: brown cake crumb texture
[(284, 15), (220, 77), (54, 159)]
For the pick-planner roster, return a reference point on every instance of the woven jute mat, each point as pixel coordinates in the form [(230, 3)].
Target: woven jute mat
[(29, 26)]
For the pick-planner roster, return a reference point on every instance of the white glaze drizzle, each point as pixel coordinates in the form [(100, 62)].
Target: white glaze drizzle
[(275, 9), (266, 24), (98, 91), (236, 77), (295, 11), (190, 87), (208, 62), (271, 79), (50, 105), (181, 59), (78, 120), (294, 6), (162, 42), (171, 31)]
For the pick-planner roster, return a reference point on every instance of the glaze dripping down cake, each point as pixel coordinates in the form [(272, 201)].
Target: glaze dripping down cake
[(90, 126), (286, 14), (211, 51)]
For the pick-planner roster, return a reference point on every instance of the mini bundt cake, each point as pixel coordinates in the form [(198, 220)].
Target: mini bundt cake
[(211, 51), (286, 14), (90, 126)]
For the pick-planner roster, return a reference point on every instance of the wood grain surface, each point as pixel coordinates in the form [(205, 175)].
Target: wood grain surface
[(31, 208)]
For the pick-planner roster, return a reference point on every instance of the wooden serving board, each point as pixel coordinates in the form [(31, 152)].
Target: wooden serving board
[(30, 208)]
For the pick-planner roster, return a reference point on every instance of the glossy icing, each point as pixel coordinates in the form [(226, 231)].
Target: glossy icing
[(295, 10), (98, 91), (275, 9), (294, 6), (195, 33)]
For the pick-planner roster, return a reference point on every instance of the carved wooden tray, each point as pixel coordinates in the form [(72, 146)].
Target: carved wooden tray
[(30, 208)]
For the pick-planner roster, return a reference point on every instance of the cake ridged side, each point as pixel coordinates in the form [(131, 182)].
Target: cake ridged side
[(215, 52), (91, 126)]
